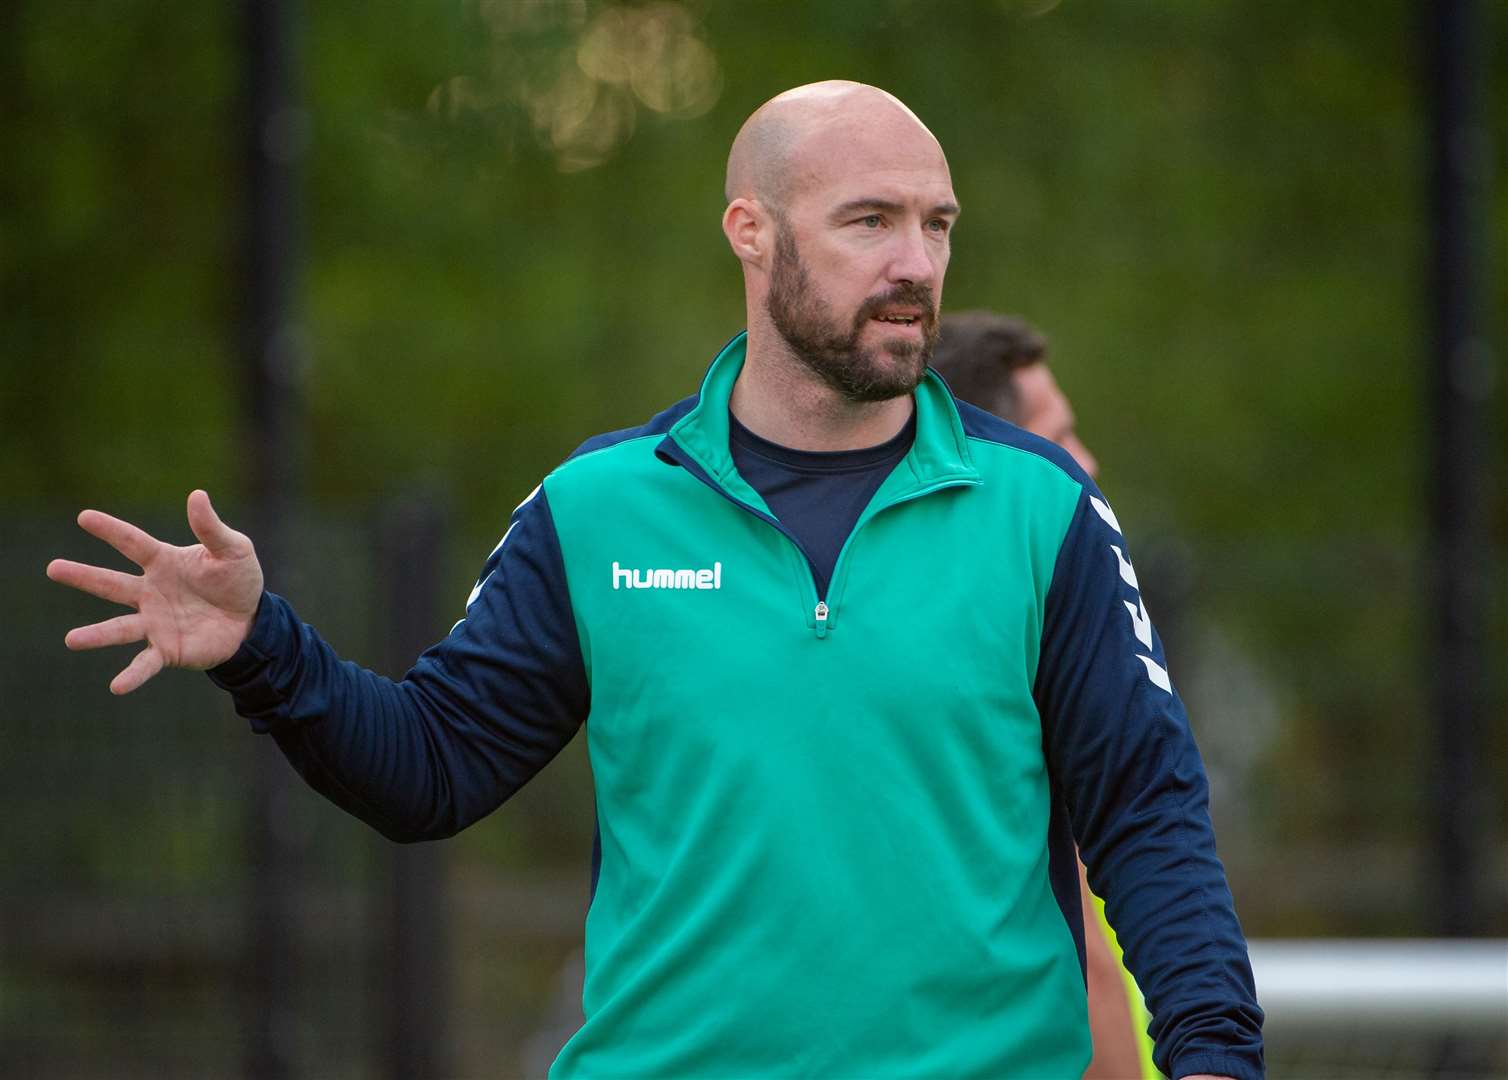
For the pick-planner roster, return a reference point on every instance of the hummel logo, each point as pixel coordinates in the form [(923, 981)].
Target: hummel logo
[(668, 579)]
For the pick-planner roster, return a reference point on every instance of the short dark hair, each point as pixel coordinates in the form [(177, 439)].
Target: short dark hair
[(979, 351)]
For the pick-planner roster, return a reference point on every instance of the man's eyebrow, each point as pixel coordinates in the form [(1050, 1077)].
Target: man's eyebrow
[(868, 205), (889, 206)]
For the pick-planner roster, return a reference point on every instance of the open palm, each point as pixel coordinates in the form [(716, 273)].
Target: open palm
[(193, 605)]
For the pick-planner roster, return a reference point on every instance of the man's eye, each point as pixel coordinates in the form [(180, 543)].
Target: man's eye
[(871, 221), (938, 225)]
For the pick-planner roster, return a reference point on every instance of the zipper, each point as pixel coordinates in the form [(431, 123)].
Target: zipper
[(822, 612)]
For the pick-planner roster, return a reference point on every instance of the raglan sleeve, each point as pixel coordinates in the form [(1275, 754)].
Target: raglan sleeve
[(1121, 754), (475, 718)]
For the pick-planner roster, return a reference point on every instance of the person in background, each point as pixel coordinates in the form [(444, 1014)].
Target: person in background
[(999, 363)]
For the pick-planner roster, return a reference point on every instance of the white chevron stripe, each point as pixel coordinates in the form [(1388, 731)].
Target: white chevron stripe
[(1102, 508)]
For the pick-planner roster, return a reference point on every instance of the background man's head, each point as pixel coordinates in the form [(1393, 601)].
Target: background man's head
[(840, 206), (999, 363)]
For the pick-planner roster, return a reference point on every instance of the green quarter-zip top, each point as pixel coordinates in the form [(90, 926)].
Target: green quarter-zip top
[(829, 813), (836, 831)]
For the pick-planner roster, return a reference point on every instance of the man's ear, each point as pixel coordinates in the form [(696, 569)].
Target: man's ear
[(749, 229)]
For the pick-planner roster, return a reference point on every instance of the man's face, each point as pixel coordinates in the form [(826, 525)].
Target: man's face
[(859, 261), (1045, 411), (859, 361)]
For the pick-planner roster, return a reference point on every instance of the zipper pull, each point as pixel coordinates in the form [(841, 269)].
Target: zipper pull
[(821, 617)]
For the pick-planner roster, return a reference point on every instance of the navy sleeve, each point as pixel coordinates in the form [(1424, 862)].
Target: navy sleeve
[(477, 716), (1123, 758)]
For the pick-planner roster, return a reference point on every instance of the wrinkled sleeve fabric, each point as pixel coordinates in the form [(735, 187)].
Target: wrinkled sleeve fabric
[(474, 719), (1123, 760)]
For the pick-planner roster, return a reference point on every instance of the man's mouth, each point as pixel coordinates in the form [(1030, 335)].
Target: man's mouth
[(898, 318)]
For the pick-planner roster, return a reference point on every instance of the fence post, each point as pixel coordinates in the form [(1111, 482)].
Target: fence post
[(272, 358), (412, 961), (1461, 380)]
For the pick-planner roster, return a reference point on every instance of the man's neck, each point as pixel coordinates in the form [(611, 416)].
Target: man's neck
[(779, 398)]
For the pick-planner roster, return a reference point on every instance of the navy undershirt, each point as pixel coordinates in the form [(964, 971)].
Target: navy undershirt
[(817, 495)]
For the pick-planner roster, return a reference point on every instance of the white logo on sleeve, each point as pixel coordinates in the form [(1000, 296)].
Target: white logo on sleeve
[(1102, 508), (1157, 673), (707, 578), (1141, 622), (476, 590), (1128, 572)]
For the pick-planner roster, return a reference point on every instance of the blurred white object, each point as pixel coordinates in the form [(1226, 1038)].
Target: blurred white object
[(1427, 983)]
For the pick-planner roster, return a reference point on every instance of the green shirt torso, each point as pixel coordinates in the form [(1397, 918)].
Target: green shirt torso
[(823, 840)]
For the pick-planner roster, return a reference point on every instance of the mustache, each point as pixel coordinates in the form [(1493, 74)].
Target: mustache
[(907, 294)]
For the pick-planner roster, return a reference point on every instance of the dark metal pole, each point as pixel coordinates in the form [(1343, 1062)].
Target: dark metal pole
[(412, 962), (272, 360), (1462, 377)]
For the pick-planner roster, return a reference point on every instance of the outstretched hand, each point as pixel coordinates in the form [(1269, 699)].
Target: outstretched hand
[(194, 605)]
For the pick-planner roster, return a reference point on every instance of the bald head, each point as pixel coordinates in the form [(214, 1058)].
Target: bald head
[(773, 151)]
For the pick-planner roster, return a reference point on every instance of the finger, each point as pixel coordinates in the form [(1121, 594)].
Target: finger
[(219, 538), (146, 663), (96, 581), (133, 543), (121, 630)]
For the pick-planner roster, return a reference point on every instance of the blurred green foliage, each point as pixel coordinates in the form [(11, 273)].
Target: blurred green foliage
[(1215, 211)]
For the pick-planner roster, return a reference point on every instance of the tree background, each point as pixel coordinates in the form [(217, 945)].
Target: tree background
[(1216, 212)]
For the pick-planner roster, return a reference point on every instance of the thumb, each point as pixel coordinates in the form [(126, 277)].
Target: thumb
[(218, 538)]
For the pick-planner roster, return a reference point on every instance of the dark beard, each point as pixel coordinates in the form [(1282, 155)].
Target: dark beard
[(801, 316)]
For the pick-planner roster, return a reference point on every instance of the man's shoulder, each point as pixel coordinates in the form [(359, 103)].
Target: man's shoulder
[(613, 449), (1019, 446)]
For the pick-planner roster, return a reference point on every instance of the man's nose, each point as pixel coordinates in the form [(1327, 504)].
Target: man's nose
[(911, 261)]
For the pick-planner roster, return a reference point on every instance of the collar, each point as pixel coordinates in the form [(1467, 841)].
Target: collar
[(938, 456)]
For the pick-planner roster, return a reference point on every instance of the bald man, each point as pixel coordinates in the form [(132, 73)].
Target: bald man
[(837, 785)]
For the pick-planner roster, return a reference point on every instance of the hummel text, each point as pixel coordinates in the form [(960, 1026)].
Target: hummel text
[(668, 579)]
